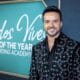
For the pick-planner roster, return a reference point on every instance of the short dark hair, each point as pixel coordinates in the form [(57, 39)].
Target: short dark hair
[(52, 9)]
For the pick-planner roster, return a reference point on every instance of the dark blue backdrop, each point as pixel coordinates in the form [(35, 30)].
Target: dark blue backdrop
[(71, 18)]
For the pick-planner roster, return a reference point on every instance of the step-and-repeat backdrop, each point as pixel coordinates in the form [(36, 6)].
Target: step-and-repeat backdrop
[(20, 28)]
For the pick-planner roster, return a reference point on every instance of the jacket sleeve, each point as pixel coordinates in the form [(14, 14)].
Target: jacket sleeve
[(33, 71), (76, 66)]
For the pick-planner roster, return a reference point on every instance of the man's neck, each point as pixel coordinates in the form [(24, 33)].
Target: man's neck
[(51, 41)]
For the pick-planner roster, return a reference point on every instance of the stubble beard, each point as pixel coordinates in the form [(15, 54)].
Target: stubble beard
[(52, 32)]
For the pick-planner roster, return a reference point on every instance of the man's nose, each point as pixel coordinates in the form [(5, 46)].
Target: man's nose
[(51, 24)]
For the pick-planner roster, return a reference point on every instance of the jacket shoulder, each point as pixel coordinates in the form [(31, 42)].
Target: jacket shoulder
[(71, 42), (39, 45)]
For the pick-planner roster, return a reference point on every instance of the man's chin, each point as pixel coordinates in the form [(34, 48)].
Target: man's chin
[(53, 35)]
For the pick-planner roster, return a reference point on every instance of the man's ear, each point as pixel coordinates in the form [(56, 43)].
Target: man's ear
[(61, 24)]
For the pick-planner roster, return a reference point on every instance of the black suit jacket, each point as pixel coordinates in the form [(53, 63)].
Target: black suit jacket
[(64, 64)]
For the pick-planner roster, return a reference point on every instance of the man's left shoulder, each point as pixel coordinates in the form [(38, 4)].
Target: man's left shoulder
[(71, 42)]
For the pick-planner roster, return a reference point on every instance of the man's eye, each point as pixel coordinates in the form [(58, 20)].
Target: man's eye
[(55, 20), (46, 21)]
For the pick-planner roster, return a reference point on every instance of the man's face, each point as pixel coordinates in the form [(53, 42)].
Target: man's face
[(52, 23)]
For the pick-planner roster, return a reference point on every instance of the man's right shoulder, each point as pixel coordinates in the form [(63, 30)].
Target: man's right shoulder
[(39, 45)]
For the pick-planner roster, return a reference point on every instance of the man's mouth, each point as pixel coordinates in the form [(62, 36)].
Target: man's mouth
[(51, 30)]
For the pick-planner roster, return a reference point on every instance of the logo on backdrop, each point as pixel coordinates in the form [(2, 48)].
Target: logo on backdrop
[(30, 35)]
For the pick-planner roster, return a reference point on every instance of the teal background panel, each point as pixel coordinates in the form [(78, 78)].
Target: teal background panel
[(20, 28)]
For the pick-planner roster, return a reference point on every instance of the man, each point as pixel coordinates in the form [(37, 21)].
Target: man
[(57, 57)]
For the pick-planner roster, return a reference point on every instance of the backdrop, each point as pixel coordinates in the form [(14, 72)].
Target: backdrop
[(16, 44)]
